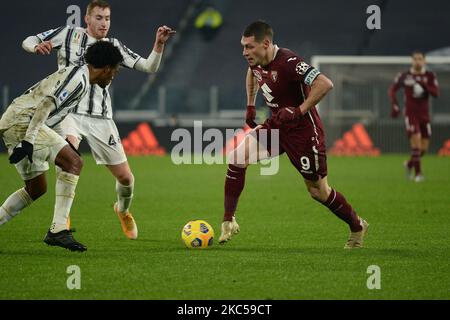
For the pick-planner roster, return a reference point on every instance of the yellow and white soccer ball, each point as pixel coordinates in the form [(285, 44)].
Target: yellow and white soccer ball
[(197, 234)]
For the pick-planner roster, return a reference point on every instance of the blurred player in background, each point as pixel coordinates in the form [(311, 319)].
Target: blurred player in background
[(25, 129), (92, 118), (291, 89), (418, 84)]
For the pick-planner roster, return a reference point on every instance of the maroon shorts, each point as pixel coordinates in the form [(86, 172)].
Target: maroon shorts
[(305, 147), (415, 126)]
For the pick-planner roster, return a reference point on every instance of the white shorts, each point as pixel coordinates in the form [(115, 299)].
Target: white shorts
[(46, 147), (101, 135)]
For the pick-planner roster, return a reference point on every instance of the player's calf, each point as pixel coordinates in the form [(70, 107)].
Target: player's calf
[(14, 204)]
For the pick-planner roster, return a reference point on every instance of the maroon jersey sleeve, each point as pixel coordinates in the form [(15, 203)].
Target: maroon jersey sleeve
[(431, 85), (298, 70), (398, 83)]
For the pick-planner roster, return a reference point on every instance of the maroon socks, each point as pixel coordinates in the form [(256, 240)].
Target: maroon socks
[(234, 184), (341, 208)]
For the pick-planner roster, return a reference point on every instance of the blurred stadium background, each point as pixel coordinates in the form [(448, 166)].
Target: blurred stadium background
[(205, 79)]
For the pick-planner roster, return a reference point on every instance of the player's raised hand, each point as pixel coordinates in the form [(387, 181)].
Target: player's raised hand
[(163, 34), (43, 48), (22, 150), (395, 111), (288, 114)]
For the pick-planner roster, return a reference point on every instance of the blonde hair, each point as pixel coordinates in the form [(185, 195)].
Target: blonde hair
[(97, 3)]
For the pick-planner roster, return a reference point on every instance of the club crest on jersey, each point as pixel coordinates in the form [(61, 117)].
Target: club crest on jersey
[(274, 76), (257, 75), (301, 68)]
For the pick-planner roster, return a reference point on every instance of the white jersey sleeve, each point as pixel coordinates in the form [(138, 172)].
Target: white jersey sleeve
[(63, 89), (57, 36), (130, 58), (67, 92)]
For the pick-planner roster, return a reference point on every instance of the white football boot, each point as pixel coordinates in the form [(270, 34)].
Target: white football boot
[(356, 238), (419, 178), (229, 228), (409, 174)]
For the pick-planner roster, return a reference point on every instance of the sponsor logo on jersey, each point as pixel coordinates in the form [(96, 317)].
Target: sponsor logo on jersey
[(63, 95), (274, 76), (301, 68), (272, 105), (257, 75), (46, 33)]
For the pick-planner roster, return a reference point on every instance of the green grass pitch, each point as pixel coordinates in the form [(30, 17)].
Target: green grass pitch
[(290, 247)]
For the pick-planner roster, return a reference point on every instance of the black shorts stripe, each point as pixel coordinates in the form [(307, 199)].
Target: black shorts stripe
[(54, 33), (66, 81), (67, 45)]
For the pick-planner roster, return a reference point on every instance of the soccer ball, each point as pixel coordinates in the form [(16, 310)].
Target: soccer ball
[(197, 234)]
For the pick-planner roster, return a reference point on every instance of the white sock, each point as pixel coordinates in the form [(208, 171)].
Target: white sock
[(15, 203), (66, 183), (124, 196)]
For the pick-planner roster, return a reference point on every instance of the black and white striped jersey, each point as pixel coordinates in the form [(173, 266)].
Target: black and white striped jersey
[(66, 88), (71, 43)]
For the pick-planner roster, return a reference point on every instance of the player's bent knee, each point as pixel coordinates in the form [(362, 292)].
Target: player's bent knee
[(317, 194), (73, 166), (125, 179)]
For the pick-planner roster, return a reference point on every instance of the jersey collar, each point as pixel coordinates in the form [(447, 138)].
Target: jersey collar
[(423, 71)]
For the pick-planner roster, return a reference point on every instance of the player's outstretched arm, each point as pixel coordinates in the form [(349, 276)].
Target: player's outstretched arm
[(395, 110), (251, 87), (252, 90), (431, 87), (33, 44), (44, 42), (151, 64), (41, 114), (26, 147), (162, 35), (319, 88)]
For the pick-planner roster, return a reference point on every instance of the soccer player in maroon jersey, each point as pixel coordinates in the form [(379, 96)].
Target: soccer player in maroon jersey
[(291, 89), (418, 84)]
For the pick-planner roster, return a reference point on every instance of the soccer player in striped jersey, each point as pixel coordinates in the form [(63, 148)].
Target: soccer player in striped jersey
[(418, 84), (92, 118), (291, 89), (26, 130)]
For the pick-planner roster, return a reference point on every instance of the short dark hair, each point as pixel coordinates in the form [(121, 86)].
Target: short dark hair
[(417, 52), (97, 3), (102, 54), (259, 29)]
